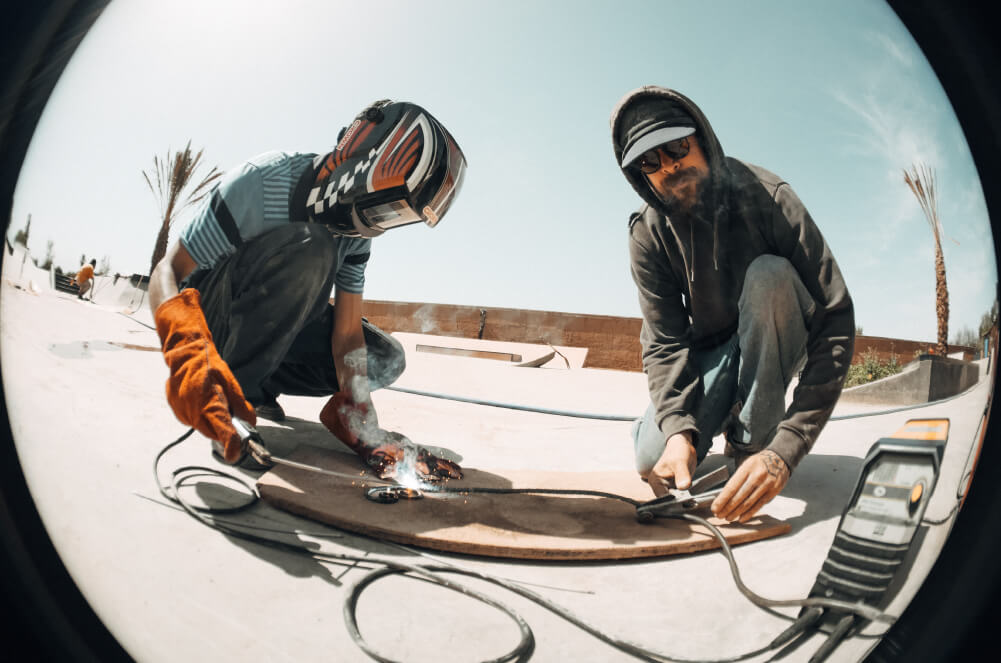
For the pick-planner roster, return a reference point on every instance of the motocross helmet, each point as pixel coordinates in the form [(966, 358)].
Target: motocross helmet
[(393, 166)]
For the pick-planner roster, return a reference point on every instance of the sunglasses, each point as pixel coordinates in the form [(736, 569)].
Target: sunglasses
[(649, 162)]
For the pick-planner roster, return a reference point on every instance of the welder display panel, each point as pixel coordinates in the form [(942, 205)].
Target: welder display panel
[(895, 484)]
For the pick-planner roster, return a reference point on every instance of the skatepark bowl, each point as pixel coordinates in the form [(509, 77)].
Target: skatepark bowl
[(84, 383)]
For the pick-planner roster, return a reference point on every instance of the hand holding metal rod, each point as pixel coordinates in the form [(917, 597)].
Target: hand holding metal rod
[(253, 446)]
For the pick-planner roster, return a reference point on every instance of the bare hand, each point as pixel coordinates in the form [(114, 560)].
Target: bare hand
[(675, 467), (755, 483)]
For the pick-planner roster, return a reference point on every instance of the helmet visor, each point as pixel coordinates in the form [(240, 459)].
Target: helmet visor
[(388, 214)]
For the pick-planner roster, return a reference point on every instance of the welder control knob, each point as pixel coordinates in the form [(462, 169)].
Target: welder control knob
[(917, 492)]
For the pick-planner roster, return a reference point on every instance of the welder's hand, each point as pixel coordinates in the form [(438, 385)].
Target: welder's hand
[(354, 424), (201, 390), (675, 467), (387, 453), (349, 421), (755, 483)]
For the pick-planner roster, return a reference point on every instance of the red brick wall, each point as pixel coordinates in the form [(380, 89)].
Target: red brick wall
[(612, 342), (905, 350)]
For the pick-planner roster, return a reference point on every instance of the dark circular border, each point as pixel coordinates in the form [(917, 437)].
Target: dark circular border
[(46, 615)]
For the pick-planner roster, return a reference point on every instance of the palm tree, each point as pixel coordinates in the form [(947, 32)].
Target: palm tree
[(922, 182), (173, 175)]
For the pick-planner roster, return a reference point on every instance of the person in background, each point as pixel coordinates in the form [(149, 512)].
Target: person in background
[(85, 279)]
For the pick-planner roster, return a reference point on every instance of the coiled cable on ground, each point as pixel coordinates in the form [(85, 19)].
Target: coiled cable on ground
[(432, 573)]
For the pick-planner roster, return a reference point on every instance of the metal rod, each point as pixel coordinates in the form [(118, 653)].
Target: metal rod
[(278, 460), (265, 457)]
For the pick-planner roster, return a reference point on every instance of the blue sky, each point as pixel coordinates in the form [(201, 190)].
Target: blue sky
[(835, 97)]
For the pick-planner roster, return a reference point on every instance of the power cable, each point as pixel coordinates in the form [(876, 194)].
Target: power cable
[(432, 573), (625, 417), (137, 321), (512, 406), (606, 417)]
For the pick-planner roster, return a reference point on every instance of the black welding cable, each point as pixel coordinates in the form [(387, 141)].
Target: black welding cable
[(627, 417), (608, 417), (626, 646), (512, 406), (860, 609), (430, 573), (605, 417), (178, 479), (522, 651), (475, 490)]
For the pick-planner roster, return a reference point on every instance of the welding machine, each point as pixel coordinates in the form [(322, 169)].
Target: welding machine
[(879, 523)]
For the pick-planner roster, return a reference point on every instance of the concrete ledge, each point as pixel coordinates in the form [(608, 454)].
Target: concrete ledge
[(610, 342), (467, 348), (927, 378)]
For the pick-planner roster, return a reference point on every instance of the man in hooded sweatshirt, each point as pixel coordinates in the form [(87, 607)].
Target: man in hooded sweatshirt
[(739, 292)]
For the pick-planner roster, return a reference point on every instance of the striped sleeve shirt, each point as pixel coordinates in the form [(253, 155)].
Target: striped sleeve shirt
[(252, 199)]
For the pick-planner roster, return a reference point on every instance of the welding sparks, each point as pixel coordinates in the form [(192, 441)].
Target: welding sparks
[(406, 468)]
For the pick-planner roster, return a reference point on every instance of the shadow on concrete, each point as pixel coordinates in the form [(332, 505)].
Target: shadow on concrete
[(283, 438), (285, 540), (825, 484), (271, 535)]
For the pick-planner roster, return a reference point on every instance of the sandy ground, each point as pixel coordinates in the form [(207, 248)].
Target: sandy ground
[(85, 397)]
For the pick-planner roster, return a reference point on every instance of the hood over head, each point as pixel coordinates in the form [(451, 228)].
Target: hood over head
[(650, 112), (645, 115)]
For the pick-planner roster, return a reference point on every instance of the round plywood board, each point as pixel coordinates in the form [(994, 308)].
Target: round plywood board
[(556, 527)]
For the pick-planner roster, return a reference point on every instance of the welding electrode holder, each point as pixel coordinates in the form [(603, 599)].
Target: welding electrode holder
[(251, 443), (671, 505)]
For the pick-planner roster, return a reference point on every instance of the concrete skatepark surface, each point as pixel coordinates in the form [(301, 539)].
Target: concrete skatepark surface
[(86, 406)]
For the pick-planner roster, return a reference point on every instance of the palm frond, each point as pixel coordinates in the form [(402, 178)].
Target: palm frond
[(922, 183), (173, 177)]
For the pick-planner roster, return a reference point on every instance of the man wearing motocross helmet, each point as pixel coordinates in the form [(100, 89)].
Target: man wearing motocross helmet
[(241, 300), (739, 292)]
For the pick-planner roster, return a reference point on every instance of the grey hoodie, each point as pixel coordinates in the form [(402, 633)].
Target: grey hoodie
[(689, 270)]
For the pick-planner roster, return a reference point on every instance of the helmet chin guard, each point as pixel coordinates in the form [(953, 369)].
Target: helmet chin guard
[(395, 165)]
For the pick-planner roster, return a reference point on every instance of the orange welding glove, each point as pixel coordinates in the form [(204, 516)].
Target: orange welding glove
[(201, 390), (382, 450)]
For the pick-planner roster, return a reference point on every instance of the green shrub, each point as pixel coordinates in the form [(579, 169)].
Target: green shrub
[(871, 368)]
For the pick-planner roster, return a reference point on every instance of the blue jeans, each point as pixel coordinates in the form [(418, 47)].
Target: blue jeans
[(744, 380)]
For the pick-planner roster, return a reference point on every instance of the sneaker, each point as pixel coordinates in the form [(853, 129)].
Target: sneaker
[(270, 409)]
